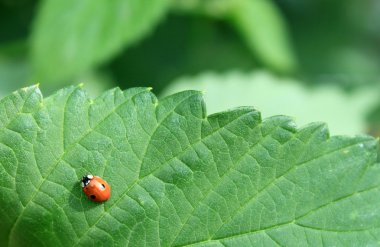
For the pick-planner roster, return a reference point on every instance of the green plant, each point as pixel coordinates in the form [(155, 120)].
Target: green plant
[(178, 176), (68, 40)]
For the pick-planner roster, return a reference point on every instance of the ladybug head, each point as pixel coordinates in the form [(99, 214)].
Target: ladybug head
[(86, 180)]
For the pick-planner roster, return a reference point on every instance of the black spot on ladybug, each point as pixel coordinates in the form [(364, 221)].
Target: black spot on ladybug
[(103, 186), (93, 196)]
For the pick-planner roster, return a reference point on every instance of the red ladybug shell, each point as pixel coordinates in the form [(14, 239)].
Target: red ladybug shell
[(96, 188)]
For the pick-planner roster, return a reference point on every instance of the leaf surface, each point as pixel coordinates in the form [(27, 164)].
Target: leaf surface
[(178, 176)]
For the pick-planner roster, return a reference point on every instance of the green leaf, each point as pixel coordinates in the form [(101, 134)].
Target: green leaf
[(345, 113), (77, 36), (259, 22), (178, 177), (263, 28)]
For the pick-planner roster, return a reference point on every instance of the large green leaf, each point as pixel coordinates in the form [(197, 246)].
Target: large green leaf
[(344, 112), (77, 35), (178, 176)]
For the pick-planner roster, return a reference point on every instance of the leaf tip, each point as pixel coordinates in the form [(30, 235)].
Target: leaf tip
[(30, 89)]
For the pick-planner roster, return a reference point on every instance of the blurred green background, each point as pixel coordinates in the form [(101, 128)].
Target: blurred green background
[(315, 60)]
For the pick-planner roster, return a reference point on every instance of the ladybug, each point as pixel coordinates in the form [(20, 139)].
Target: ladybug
[(96, 188)]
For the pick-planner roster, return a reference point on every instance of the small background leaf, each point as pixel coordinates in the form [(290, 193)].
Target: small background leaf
[(77, 36), (260, 24)]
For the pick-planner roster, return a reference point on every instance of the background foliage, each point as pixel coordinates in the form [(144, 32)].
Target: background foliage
[(144, 43)]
